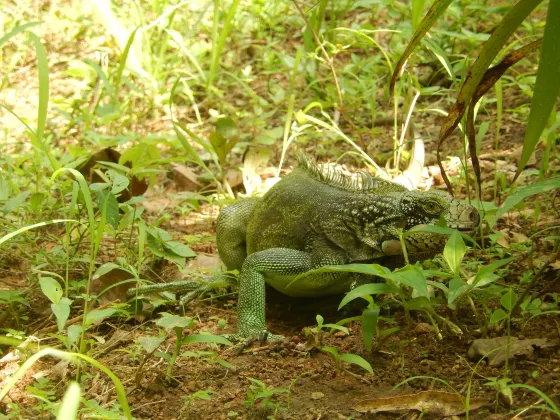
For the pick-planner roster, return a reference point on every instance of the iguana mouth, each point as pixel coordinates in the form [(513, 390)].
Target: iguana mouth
[(466, 229)]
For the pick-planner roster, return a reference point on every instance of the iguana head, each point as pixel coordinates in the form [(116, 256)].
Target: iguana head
[(384, 214)]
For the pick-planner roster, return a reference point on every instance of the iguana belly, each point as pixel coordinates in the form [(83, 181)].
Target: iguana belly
[(315, 285)]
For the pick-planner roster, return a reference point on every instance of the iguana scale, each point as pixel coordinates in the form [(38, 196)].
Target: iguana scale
[(313, 218)]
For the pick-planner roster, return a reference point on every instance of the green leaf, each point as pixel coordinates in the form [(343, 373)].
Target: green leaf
[(140, 154), (331, 350), (488, 269), (7, 296), (508, 300), (522, 193), (270, 137), (436, 10), (150, 344), (106, 268), (337, 327), (72, 357), (224, 138), (73, 332), (486, 279), (224, 363), (107, 203), (16, 202), (120, 182), (169, 321), (123, 58), (180, 249), (370, 317), (500, 34), (497, 316), (356, 360), (413, 277), (61, 311), (547, 85), (17, 30), (70, 402), (98, 315), (51, 289), (43, 102), (103, 77), (206, 338), (368, 290), (454, 251), (36, 200), (456, 289)]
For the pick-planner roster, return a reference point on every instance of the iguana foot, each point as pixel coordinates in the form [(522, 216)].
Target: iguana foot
[(246, 339)]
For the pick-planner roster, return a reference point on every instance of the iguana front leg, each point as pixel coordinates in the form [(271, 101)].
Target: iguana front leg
[(274, 262)]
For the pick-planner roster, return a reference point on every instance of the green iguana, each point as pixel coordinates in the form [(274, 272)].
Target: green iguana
[(313, 218)]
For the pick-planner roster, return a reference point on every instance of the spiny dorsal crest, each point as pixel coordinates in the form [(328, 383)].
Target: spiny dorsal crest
[(360, 182)]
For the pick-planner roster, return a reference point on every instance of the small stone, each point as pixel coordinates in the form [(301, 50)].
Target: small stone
[(317, 395), (423, 328)]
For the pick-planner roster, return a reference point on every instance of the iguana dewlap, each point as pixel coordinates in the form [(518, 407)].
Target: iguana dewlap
[(312, 218)]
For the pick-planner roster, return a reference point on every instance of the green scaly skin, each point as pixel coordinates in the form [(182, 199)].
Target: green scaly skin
[(313, 218)]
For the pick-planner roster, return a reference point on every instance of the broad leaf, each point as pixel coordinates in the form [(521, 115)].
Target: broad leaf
[(51, 289), (150, 344), (169, 321), (454, 252), (356, 360), (522, 193), (98, 315), (206, 338), (368, 290), (413, 277), (370, 317), (61, 311)]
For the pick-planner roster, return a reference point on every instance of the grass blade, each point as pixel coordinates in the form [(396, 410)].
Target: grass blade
[(17, 30), (492, 47), (71, 357), (29, 227), (433, 14), (219, 46), (70, 402), (547, 85)]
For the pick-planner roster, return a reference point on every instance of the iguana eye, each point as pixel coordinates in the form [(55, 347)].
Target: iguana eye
[(431, 206)]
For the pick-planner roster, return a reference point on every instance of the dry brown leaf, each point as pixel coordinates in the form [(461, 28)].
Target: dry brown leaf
[(438, 403), (502, 240), (555, 265), (234, 177), (495, 348), (185, 178), (255, 158), (88, 170), (109, 279), (518, 237)]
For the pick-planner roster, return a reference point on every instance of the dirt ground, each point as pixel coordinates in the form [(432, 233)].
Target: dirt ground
[(313, 387)]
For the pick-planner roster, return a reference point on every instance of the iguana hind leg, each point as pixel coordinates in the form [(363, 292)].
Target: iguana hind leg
[(231, 232)]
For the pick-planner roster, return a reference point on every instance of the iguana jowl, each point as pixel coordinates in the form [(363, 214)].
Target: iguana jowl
[(313, 218)]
